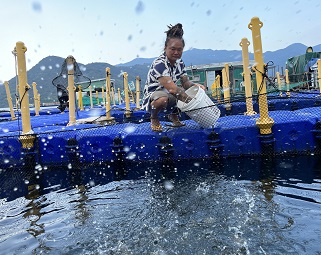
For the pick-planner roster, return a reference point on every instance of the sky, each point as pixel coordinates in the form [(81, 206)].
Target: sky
[(118, 31)]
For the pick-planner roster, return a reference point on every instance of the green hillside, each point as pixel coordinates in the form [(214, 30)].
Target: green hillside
[(50, 67)]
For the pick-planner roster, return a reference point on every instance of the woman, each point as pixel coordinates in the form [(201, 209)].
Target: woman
[(161, 91)]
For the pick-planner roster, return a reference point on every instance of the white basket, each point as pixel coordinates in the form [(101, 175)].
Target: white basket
[(201, 108)]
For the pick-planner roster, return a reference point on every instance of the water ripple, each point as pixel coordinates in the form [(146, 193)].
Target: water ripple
[(182, 213)]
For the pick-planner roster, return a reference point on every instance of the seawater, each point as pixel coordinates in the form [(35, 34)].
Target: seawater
[(210, 206)]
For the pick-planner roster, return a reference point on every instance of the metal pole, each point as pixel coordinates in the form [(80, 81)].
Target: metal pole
[(127, 111), (108, 114), (287, 82), (91, 97), (35, 98), (264, 122), (247, 77), (9, 98), (80, 102), (226, 88), (71, 90), (138, 92), (319, 73), (23, 87)]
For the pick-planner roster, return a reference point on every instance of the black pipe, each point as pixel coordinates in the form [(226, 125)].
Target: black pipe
[(72, 150), (317, 135), (118, 148), (30, 155), (119, 158), (166, 148), (267, 144), (294, 106), (214, 144), (271, 106)]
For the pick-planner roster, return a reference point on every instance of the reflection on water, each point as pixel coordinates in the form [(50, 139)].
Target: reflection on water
[(227, 206)]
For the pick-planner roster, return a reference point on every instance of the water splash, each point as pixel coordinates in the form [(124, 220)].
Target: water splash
[(139, 7), (36, 6)]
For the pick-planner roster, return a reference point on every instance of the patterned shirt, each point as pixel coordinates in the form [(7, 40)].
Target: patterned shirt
[(159, 68)]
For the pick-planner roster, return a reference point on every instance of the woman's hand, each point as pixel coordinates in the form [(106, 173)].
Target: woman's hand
[(200, 85), (186, 83)]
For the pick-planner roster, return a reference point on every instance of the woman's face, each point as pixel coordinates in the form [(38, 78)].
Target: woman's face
[(174, 50)]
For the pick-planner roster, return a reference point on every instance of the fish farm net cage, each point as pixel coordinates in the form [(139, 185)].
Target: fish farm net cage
[(290, 124)]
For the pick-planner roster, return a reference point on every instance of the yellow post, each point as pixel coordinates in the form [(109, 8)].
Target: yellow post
[(35, 98), (227, 68), (247, 76), (113, 95), (71, 90), (287, 82), (214, 89), (319, 73), (218, 87), (226, 89), (80, 102), (119, 96), (17, 85), (97, 97), (9, 99), (279, 83), (132, 96), (91, 97), (103, 95), (27, 138), (108, 87), (38, 102), (23, 87), (127, 110), (138, 92), (264, 122)]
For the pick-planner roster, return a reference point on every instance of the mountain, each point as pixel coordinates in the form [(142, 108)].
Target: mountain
[(50, 67), (137, 61), (208, 56)]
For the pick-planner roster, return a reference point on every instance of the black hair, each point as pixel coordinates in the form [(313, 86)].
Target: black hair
[(175, 32)]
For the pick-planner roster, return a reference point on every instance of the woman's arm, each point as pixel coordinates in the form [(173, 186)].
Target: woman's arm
[(186, 83), (172, 88)]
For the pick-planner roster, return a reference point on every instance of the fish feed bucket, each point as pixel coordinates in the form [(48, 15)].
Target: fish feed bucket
[(201, 108)]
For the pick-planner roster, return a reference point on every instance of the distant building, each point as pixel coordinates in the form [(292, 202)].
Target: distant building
[(96, 86), (206, 74), (303, 69)]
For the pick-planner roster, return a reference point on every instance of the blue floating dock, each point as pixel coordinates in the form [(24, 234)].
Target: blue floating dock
[(234, 135)]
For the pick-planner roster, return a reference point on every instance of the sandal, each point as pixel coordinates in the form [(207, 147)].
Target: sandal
[(175, 122), (156, 127)]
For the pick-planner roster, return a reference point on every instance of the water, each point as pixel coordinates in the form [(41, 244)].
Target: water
[(231, 206)]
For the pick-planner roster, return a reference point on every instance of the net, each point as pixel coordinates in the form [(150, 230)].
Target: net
[(61, 81)]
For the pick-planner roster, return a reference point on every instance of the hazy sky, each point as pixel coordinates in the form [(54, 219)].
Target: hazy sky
[(120, 30)]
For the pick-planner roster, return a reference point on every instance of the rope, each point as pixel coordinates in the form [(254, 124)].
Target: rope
[(265, 76), (18, 105)]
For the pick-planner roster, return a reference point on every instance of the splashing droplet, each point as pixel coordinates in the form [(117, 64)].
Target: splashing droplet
[(36, 6), (168, 185), (139, 7)]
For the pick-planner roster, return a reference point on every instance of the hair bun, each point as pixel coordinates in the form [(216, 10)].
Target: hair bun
[(175, 31)]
